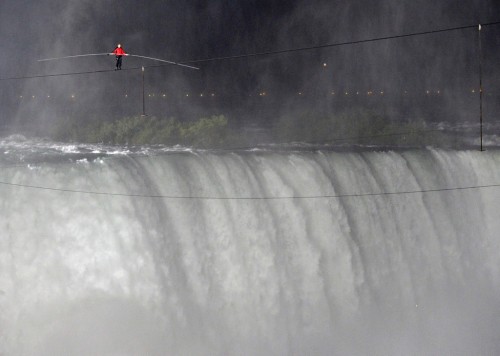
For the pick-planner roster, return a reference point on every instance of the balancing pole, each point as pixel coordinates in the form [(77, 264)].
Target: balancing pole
[(128, 55), (78, 55), (164, 61)]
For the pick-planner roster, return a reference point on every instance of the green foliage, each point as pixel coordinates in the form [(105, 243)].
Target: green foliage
[(140, 130), (311, 127), (206, 132), (357, 126)]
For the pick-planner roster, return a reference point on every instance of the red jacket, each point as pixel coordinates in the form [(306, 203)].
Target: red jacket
[(119, 51)]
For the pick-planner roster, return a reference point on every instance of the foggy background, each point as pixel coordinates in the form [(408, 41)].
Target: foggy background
[(433, 77)]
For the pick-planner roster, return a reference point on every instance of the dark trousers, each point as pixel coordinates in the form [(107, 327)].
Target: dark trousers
[(119, 62)]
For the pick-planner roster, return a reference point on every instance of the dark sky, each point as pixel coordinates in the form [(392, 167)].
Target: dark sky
[(191, 29)]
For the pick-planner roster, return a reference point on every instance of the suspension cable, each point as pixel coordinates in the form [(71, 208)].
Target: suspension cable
[(267, 53), (339, 44), (181, 197)]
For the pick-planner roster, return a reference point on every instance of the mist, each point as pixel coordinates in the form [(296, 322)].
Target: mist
[(274, 239), (427, 77)]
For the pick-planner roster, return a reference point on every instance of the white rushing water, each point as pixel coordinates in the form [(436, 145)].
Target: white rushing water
[(104, 253)]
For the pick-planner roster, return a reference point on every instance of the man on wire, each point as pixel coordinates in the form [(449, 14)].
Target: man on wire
[(119, 53)]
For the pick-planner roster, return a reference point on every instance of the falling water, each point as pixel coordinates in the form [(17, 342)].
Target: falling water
[(249, 253)]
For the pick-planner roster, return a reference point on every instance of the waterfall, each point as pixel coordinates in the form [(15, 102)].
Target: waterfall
[(251, 253)]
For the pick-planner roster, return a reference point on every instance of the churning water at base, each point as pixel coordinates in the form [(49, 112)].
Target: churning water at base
[(107, 254)]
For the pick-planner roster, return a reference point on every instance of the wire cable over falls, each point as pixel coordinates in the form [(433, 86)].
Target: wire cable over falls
[(187, 63), (333, 196)]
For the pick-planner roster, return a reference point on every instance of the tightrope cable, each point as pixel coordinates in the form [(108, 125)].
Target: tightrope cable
[(338, 44), (306, 197), (268, 53)]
